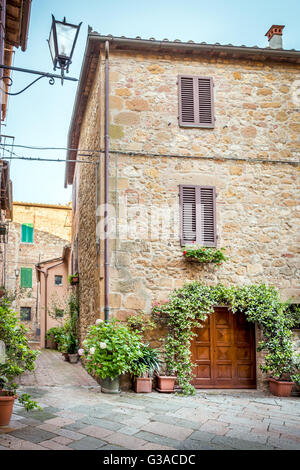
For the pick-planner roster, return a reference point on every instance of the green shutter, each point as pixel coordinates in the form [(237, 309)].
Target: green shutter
[(27, 233), (26, 277)]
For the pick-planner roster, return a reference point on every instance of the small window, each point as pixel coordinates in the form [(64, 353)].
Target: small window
[(58, 280), (26, 277), (27, 233), (25, 313), (198, 215), (196, 101)]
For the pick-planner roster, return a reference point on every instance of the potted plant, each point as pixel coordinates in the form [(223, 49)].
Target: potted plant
[(54, 337), (109, 350), (73, 279), (72, 348), (284, 369), (16, 357), (143, 369), (166, 383)]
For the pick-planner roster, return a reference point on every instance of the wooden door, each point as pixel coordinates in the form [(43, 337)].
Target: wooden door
[(224, 352)]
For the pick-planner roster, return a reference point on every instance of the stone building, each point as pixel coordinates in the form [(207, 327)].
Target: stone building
[(39, 232), (204, 146)]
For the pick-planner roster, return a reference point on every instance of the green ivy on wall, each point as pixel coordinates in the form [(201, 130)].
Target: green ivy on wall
[(261, 304)]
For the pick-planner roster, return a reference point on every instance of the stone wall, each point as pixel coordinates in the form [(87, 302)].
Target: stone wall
[(257, 203), (52, 228)]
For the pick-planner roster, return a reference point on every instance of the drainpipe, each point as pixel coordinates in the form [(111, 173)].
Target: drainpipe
[(106, 186)]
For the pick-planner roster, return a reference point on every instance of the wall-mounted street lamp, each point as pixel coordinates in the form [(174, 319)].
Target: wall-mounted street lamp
[(62, 41)]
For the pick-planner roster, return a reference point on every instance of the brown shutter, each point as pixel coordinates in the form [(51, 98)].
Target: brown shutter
[(188, 214), (198, 215), (208, 235), (196, 101)]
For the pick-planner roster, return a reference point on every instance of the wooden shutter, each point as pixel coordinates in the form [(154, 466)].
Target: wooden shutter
[(26, 277), (196, 107), (198, 215)]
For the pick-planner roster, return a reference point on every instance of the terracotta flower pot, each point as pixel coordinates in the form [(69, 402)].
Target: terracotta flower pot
[(6, 408), (73, 358), (143, 385), (280, 388), (165, 383)]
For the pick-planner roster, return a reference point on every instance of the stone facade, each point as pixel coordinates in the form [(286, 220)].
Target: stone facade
[(249, 157), (51, 232)]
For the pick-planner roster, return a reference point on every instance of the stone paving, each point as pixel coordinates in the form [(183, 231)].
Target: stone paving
[(76, 415)]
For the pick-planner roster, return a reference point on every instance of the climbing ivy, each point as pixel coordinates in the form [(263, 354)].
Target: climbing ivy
[(191, 305)]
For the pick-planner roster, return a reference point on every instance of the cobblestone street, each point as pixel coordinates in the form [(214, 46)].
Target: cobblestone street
[(76, 415)]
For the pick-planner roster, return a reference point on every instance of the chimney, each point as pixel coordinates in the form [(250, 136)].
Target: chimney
[(275, 36)]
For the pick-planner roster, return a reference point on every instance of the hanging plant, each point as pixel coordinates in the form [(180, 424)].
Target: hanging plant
[(261, 304), (203, 254)]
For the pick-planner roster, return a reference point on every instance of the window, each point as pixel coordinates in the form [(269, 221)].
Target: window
[(25, 313), (58, 280), (27, 233), (198, 215), (26, 277), (196, 107)]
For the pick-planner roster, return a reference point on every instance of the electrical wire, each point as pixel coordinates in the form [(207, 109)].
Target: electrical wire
[(19, 157)]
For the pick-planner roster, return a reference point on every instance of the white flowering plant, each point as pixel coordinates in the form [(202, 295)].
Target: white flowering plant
[(110, 349)]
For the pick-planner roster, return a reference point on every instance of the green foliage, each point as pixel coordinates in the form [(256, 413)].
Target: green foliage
[(66, 336), (204, 254), (56, 334), (28, 404), (110, 349), (18, 356), (293, 313), (260, 303), (71, 277), (141, 323), (147, 363)]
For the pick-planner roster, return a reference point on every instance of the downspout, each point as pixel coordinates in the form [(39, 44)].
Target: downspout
[(106, 187)]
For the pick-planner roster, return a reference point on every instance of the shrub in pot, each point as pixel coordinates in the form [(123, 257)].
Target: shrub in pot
[(15, 359), (109, 350), (283, 364), (72, 348), (144, 367), (55, 336)]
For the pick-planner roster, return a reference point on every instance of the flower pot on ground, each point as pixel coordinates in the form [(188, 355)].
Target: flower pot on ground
[(109, 385), (143, 384), (55, 337), (280, 388), (6, 407), (109, 350), (143, 369), (73, 358), (165, 383)]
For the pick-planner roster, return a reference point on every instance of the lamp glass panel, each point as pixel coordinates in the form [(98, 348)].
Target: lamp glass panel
[(65, 39), (51, 45)]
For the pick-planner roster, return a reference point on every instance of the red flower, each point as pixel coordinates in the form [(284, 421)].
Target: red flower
[(184, 252)]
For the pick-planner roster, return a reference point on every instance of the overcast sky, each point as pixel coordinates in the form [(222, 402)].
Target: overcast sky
[(41, 115)]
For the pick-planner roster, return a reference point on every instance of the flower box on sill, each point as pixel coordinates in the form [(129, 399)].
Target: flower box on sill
[(201, 254), (73, 280)]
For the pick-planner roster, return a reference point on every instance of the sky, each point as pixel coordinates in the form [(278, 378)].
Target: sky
[(41, 116)]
